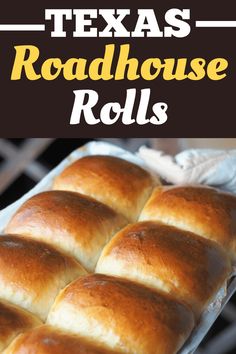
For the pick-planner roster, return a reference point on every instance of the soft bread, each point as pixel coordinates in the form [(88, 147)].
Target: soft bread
[(158, 274), (122, 315), (14, 320), (202, 210), (118, 183), (185, 265), (49, 340), (32, 273), (77, 224)]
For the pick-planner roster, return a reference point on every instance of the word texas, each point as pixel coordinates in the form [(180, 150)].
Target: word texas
[(113, 22)]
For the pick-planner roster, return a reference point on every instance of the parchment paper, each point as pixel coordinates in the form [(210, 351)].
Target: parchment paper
[(102, 148)]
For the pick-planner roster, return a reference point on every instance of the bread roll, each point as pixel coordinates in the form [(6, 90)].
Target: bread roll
[(49, 340), (13, 321), (77, 224), (122, 185), (202, 210), (162, 257), (32, 273), (122, 315)]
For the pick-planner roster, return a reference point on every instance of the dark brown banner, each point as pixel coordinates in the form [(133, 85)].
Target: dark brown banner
[(121, 69)]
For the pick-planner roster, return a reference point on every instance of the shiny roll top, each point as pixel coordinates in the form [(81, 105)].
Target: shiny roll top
[(14, 320), (162, 257), (202, 210), (32, 273), (120, 184), (50, 340), (74, 223), (122, 316), (156, 276)]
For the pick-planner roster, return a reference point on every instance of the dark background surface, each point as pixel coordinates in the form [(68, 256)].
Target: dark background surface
[(196, 109)]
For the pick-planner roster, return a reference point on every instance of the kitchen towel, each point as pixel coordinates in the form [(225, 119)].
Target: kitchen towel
[(216, 168)]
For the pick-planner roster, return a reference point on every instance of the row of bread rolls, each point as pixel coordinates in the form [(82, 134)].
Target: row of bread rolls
[(55, 236), (184, 245), (157, 277)]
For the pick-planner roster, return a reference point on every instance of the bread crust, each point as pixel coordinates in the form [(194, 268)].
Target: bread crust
[(14, 320), (120, 184), (32, 273), (190, 268), (205, 211), (50, 340), (122, 315), (74, 223)]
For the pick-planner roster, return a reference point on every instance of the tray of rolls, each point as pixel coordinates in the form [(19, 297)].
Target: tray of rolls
[(99, 257)]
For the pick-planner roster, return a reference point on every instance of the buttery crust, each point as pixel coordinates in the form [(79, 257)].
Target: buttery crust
[(32, 273), (49, 340), (74, 223), (14, 320), (122, 185), (202, 210), (189, 267), (122, 315)]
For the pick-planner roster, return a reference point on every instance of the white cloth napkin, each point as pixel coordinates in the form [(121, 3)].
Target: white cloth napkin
[(206, 166)]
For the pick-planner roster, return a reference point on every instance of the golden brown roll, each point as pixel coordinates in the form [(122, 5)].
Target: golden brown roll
[(202, 210), (49, 340), (32, 273), (74, 223), (13, 321), (118, 183), (122, 315), (162, 257)]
